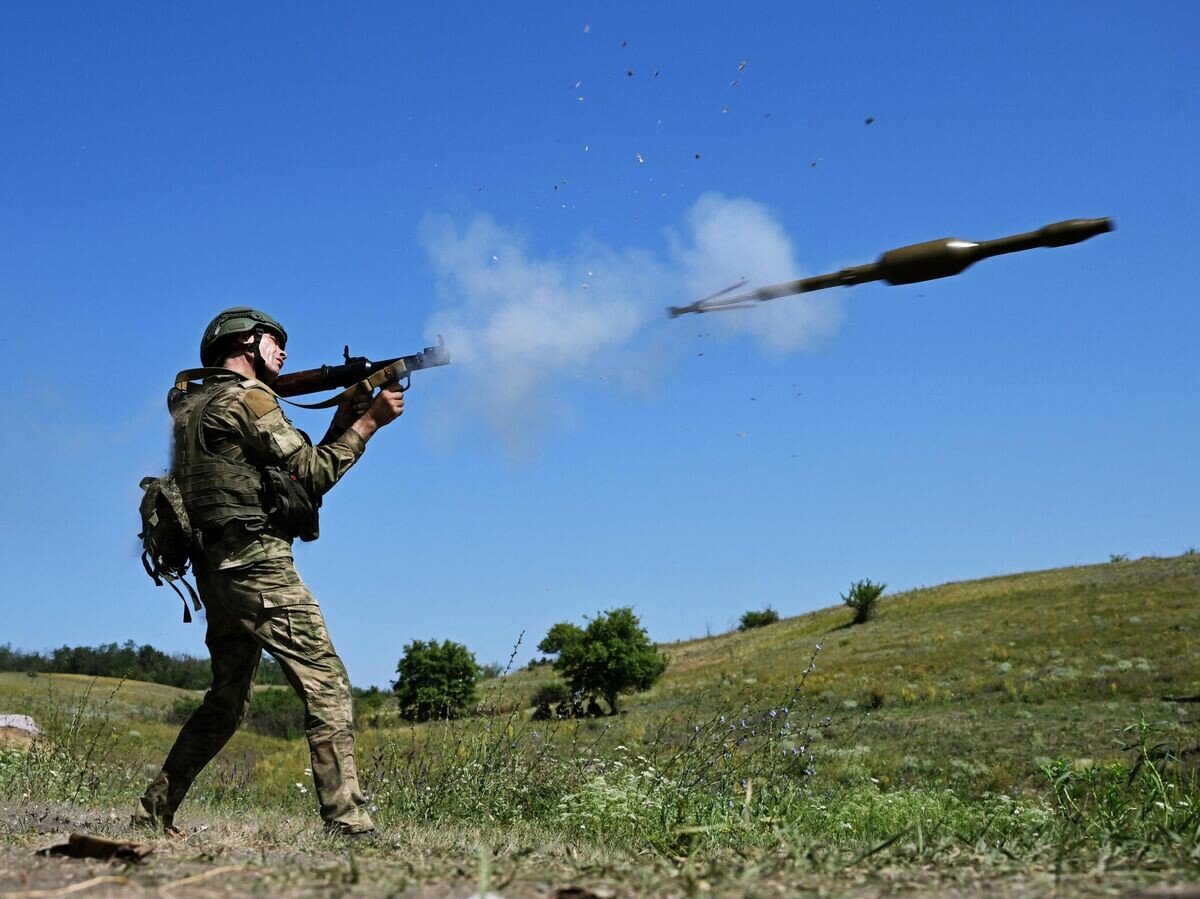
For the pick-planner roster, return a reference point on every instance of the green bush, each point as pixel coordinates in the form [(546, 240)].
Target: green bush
[(754, 619), (612, 655), (183, 708), (274, 712), (551, 693), (862, 598), (435, 680)]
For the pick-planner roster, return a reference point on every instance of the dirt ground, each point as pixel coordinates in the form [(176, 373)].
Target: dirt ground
[(231, 857), (15, 738)]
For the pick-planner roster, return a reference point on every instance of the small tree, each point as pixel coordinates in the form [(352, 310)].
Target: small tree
[(754, 619), (435, 680), (862, 598), (612, 655)]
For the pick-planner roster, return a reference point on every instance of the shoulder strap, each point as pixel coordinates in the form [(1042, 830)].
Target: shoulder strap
[(194, 374), (377, 378)]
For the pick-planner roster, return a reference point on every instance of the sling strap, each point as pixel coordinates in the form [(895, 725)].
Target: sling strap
[(377, 378)]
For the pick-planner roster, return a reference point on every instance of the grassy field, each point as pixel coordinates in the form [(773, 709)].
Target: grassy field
[(1007, 735)]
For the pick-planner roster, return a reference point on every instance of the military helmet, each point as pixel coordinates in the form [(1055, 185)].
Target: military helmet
[(236, 320)]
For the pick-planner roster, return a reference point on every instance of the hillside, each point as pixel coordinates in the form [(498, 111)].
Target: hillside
[(941, 711), (976, 682)]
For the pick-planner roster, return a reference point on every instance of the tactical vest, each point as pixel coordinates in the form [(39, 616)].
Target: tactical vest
[(216, 490)]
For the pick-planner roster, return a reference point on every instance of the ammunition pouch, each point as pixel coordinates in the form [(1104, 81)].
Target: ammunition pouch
[(289, 505)]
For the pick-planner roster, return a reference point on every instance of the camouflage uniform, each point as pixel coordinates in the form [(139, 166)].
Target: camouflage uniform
[(255, 600)]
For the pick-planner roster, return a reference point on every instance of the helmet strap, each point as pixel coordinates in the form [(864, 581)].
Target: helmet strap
[(260, 365)]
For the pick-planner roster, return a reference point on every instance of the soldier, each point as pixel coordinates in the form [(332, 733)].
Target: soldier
[(251, 482)]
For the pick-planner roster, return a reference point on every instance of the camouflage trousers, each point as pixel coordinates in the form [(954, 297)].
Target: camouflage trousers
[(260, 606)]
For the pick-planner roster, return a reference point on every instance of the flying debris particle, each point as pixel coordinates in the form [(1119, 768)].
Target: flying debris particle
[(495, 259), (656, 73), (629, 73), (585, 285), (724, 109), (640, 160), (741, 65), (587, 28), (624, 43), (740, 434), (766, 115), (590, 275), (733, 83), (578, 84), (870, 119), (697, 155), (580, 99), (586, 147), (699, 354)]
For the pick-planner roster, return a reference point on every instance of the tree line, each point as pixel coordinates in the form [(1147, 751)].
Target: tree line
[(128, 660)]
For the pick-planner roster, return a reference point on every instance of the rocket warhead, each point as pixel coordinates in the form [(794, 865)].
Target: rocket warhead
[(910, 264)]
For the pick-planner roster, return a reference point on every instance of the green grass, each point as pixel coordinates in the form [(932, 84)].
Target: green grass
[(1004, 728)]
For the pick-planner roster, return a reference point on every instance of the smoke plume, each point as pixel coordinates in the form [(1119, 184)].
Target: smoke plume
[(517, 323)]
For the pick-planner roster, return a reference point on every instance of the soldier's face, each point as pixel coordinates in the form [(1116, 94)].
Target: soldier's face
[(272, 354)]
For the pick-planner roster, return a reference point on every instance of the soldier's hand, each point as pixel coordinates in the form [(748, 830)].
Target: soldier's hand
[(387, 406), (352, 408)]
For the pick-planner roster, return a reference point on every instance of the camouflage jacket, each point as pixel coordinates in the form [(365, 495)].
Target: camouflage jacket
[(246, 424)]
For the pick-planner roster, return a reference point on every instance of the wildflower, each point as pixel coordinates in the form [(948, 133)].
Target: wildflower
[(721, 720), (697, 729), (301, 789), (771, 713), (847, 825)]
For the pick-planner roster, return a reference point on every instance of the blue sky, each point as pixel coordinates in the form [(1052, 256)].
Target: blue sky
[(380, 173)]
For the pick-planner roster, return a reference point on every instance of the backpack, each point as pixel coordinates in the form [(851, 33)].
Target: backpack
[(166, 536)]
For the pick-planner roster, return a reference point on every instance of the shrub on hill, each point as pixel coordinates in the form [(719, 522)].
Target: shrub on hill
[(550, 694), (862, 598), (612, 655), (435, 680), (753, 619), (274, 712)]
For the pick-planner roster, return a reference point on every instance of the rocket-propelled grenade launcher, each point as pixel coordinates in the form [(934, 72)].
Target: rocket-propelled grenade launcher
[(360, 370), (908, 265)]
